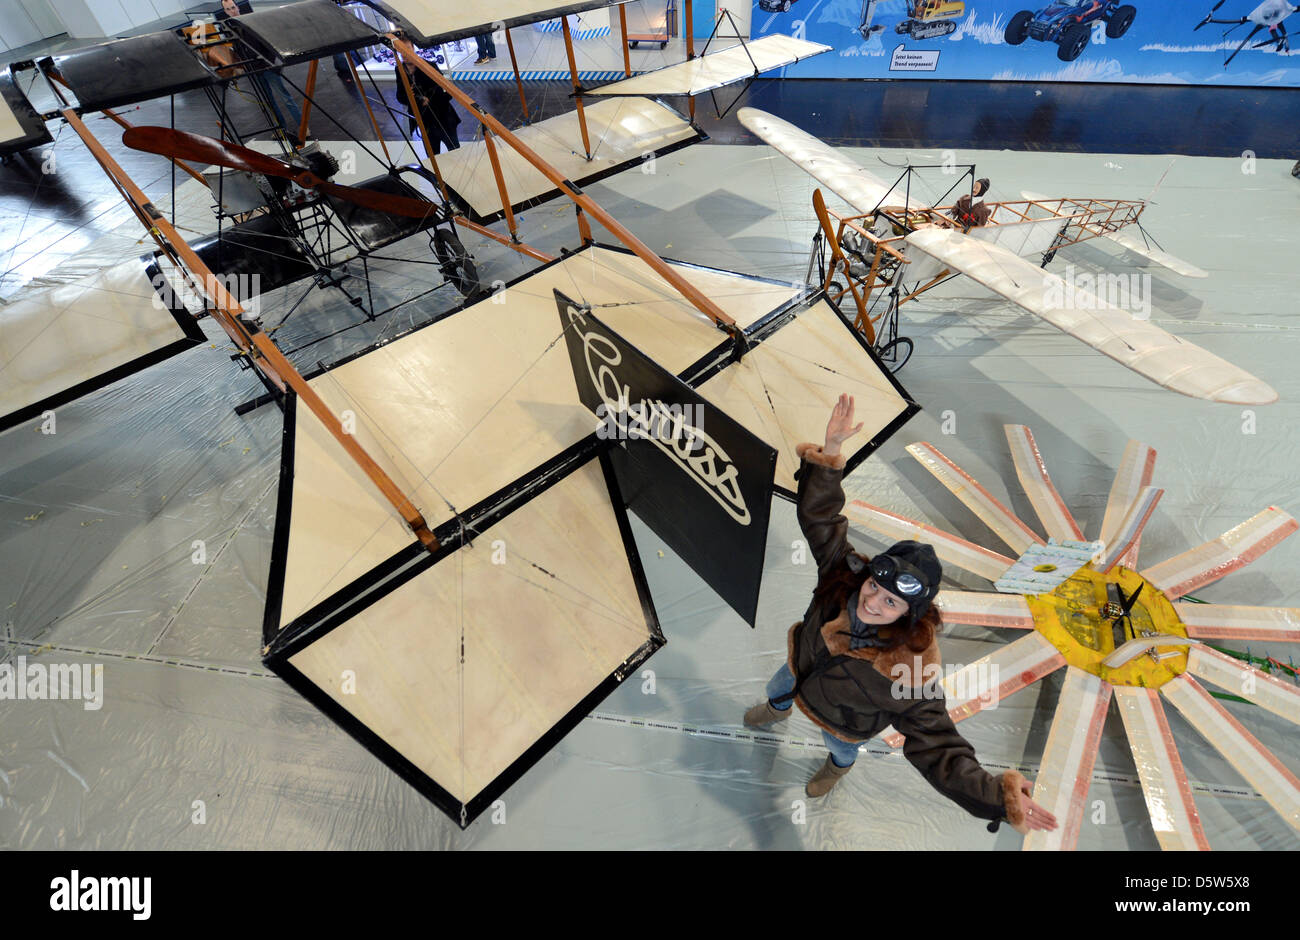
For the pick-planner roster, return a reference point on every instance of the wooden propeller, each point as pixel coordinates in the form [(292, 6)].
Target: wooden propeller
[(196, 148)]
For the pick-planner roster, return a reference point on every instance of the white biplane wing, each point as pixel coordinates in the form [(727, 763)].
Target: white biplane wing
[(433, 22), (1138, 344), (714, 70), (847, 178)]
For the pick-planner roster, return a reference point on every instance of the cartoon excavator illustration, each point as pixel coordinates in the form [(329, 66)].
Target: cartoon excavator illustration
[(925, 19)]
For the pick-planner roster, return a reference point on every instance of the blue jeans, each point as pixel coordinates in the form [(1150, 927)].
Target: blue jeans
[(843, 753), (486, 47), (273, 86)]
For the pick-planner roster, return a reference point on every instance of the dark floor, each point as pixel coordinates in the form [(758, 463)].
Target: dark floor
[(46, 217)]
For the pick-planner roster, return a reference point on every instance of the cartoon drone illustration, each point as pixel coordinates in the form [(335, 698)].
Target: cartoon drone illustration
[(1270, 14)]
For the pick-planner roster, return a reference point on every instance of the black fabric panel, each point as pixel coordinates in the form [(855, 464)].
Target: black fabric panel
[(375, 229), (302, 31), (705, 489), (127, 71), (35, 132), (258, 247), (392, 11)]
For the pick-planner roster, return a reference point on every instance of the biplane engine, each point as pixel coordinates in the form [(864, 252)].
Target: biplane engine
[(312, 158), (320, 162)]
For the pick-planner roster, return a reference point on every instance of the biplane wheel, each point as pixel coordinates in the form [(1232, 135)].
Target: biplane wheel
[(456, 264), (895, 353)]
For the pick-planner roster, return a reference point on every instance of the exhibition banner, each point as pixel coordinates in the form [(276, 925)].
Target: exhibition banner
[(1232, 42)]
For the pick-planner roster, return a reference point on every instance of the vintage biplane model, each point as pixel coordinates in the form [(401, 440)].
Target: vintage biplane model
[(896, 247), (447, 478), (1137, 635)]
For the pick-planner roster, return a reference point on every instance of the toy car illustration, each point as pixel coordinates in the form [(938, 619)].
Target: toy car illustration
[(1069, 24)]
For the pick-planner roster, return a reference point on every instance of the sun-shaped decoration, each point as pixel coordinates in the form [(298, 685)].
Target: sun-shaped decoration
[(1117, 631)]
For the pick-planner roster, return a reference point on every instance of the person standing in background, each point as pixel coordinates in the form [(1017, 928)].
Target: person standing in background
[(434, 106), (269, 81), (487, 50)]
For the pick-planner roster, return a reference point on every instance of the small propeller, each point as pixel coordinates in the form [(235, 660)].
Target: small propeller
[(1125, 606), (182, 145)]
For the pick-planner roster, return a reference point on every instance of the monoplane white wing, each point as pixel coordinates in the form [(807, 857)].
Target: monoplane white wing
[(847, 178), (1135, 243), (716, 69), (1138, 344)]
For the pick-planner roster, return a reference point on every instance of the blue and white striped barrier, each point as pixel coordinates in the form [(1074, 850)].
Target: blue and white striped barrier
[(553, 26), (496, 75)]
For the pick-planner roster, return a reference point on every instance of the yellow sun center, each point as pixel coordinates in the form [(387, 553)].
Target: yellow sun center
[(1076, 620)]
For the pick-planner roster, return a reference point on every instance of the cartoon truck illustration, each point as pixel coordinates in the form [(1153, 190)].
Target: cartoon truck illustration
[(1069, 24)]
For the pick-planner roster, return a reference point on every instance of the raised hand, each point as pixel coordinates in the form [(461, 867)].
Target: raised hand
[(840, 427), (1036, 817)]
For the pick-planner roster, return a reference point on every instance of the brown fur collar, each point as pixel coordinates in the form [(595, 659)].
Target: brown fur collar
[(813, 454), (883, 660), (916, 668), (1011, 784)]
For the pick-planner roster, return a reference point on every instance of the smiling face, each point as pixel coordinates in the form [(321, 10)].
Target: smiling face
[(877, 606)]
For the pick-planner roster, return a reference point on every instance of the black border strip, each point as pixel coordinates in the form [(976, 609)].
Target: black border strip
[(463, 814), (604, 174), (193, 336), (550, 13), (36, 133), (280, 534)]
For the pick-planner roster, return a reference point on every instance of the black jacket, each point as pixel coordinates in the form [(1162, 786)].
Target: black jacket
[(856, 693), (439, 106)]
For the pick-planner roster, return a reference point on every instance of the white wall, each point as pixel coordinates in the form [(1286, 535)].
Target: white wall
[(16, 26), (99, 18)]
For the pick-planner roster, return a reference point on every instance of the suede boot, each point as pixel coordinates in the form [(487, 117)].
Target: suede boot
[(825, 779), (764, 714)]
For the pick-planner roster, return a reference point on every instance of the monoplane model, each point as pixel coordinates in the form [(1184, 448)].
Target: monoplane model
[(896, 247)]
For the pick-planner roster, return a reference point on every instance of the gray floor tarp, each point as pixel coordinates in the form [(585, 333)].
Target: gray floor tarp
[(99, 563)]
